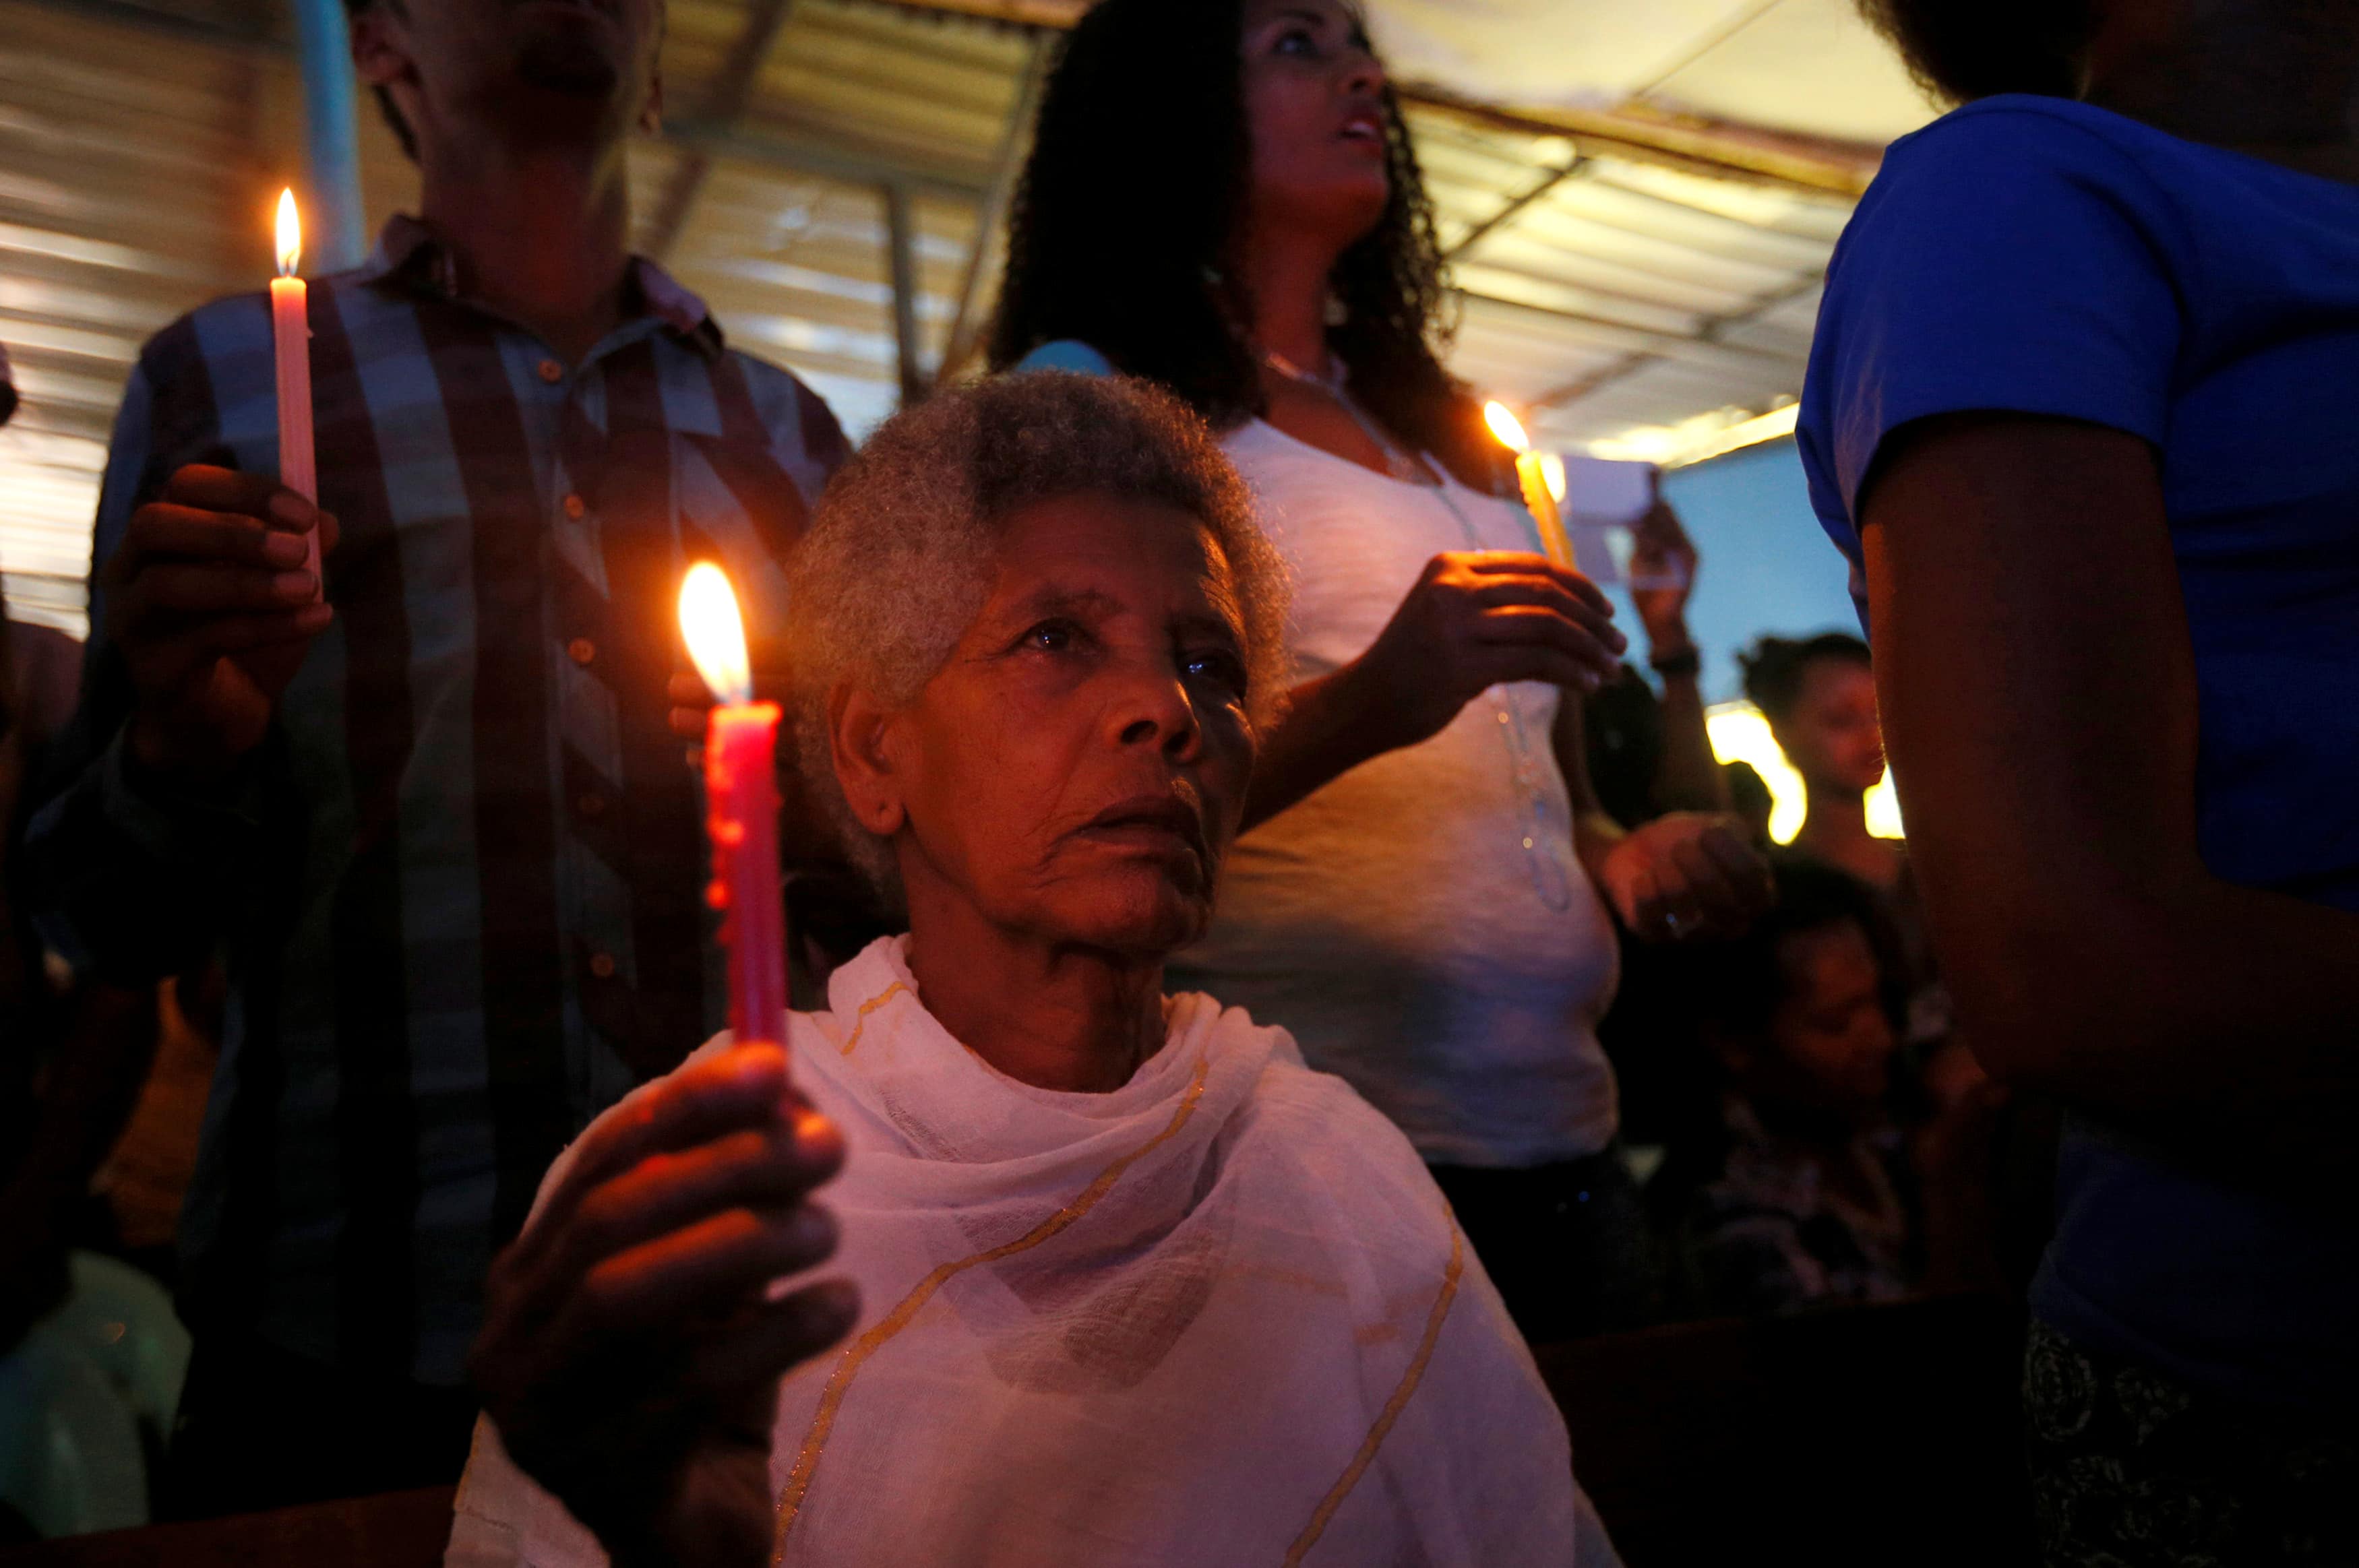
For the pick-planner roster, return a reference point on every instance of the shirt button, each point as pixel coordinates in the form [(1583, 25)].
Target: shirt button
[(581, 650), (602, 965), (593, 805), (576, 508), (551, 372)]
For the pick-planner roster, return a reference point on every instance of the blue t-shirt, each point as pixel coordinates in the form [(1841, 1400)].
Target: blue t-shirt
[(2043, 257)]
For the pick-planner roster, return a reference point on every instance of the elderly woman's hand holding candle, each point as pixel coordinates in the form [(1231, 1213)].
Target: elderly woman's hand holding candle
[(630, 1352)]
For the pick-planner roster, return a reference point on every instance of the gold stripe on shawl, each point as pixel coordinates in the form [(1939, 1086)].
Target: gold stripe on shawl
[(831, 1399), (1333, 1500), (871, 1005)]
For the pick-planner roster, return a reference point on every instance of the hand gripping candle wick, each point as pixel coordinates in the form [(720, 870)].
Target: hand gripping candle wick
[(741, 795)]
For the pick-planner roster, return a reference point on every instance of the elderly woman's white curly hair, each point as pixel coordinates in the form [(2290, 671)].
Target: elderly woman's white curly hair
[(901, 556)]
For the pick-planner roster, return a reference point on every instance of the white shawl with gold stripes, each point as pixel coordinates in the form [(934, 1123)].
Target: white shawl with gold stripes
[(1218, 1317)]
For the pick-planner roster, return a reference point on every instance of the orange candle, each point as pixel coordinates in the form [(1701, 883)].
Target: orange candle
[(741, 797), (290, 328)]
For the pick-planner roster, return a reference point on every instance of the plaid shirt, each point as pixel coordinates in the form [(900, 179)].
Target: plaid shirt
[(460, 885)]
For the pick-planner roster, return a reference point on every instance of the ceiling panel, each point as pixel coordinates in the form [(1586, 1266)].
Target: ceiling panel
[(1634, 262)]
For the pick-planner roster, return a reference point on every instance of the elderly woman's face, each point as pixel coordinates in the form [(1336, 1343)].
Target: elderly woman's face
[(1076, 770)]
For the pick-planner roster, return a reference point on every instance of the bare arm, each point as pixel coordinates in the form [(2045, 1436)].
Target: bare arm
[(1663, 574), (2039, 694), (1688, 874)]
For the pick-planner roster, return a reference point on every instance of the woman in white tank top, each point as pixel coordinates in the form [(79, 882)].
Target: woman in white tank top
[(1222, 197)]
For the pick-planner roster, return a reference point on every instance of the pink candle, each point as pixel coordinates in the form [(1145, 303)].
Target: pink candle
[(741, 791), (741, 795), (291, 327)]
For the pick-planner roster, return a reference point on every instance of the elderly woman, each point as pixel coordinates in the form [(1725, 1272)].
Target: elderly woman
[(1135, 1286)]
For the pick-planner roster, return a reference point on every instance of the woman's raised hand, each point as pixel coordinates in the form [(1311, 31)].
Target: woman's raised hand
[(632, 1347), (1477, 618)]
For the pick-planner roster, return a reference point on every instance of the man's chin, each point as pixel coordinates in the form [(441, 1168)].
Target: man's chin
[(569, 65)]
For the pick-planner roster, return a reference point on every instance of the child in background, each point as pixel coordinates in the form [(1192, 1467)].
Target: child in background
[(1805, 1189)]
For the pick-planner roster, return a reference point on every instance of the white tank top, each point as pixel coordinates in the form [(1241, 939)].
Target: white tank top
[(1421, 925)]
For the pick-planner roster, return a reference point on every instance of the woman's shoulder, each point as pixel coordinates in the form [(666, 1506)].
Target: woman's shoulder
[(2018, 155), (1065, 355), (2025, 124)]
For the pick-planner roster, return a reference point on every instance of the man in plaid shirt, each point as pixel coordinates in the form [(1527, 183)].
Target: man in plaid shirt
[(439, 821)]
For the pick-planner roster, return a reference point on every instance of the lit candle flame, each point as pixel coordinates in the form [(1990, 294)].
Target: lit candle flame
[(290, 234), (716, 634), (1505, 426)]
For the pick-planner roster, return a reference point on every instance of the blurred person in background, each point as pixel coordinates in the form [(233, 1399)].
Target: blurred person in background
[(1222, 198), (2079, 411), (438, 819), (1800, 1186), (1649, 753), (1819, 696), (1749, 797)]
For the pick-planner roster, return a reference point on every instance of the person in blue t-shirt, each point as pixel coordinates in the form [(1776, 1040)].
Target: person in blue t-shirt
[(2083, 411)]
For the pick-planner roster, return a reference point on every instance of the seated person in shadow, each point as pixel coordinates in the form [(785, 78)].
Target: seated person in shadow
[(1807, 1180), (1126, 1283)]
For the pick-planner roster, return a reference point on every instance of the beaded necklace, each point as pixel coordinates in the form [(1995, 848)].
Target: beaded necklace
[(1549, 880)]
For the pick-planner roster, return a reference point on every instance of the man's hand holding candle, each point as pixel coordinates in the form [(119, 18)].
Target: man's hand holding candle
[(632, 1347), (211, 603)]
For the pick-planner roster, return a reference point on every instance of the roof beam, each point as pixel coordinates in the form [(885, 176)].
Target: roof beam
[(966, 328), (901, 253), (1640, 344), (1513, 205), (849, 166), (1573, 391), (1636, 131), (724, 106), (171, 24), (1712, 150)]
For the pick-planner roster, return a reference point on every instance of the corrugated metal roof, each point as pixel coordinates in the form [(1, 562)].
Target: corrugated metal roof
[(1628, 272)]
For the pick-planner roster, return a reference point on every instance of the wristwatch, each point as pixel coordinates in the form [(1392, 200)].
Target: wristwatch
[(1677, 661)]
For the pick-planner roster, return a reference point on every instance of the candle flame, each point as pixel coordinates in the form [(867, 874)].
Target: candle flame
[(716, 634), (1505, 426), (1552, 471), (290, 234)]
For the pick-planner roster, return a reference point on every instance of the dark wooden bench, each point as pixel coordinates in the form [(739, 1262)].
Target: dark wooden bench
[(1885, 1435), (399, 1530), (1874, 1435)]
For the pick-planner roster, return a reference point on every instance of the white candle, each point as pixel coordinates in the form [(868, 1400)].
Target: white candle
[(1532, 475), (290, 328)]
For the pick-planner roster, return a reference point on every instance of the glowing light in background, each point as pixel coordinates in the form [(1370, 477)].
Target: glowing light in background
[(1740, 734)]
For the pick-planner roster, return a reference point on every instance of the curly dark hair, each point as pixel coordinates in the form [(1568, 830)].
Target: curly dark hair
[(1964, 49), (1774, 667), (1124, 227)]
